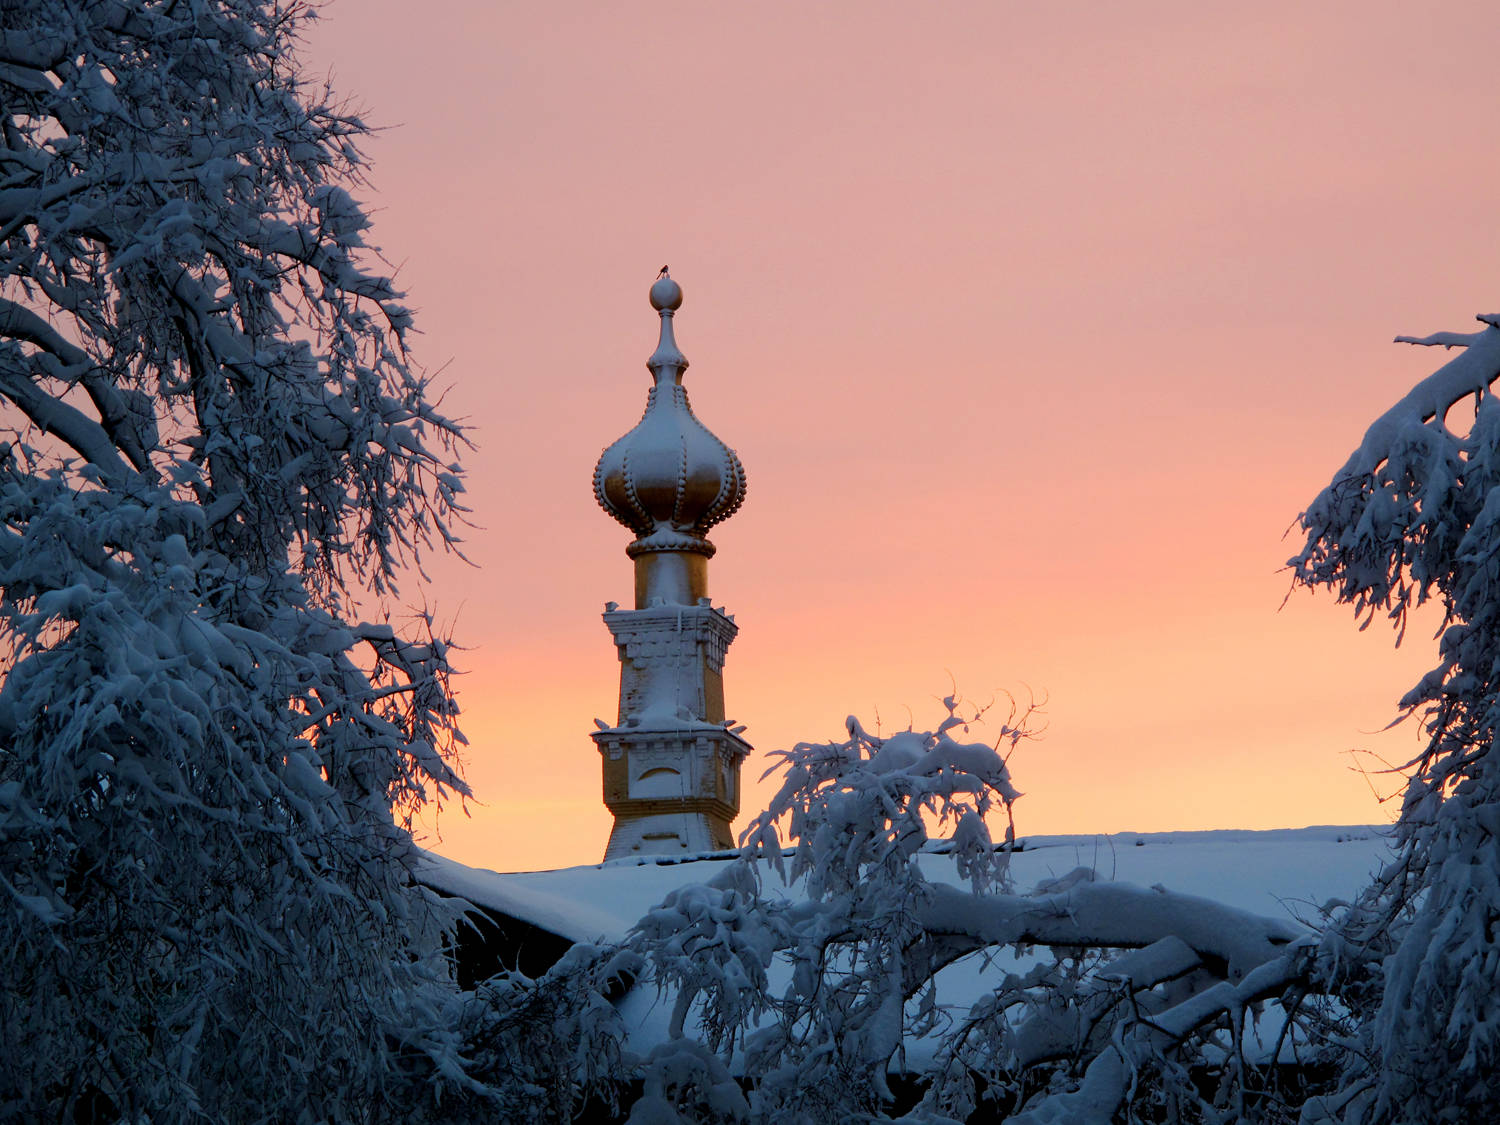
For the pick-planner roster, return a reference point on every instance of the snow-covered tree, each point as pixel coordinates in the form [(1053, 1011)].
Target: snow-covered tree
[(215, 460), (819, 978), (1414, 516)]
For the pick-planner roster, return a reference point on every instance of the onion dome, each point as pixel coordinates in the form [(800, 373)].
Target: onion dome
[(669, 479)]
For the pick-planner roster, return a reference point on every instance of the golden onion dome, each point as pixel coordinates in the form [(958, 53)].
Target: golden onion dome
[(669, 479)]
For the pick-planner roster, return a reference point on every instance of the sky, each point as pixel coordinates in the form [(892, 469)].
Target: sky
[(1035, 326)]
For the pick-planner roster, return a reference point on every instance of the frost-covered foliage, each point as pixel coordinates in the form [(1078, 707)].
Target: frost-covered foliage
[(1102, 1001), (212, 443), (550, 1049), (1412, 517)]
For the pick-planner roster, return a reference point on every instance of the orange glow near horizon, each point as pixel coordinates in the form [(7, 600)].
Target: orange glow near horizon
[(1035, 327)]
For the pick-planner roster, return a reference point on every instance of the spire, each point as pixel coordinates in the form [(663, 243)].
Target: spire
[(666, 299), (670, 478), (671, 762)]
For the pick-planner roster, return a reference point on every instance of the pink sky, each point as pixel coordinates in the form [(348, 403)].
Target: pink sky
[(1034, 325)]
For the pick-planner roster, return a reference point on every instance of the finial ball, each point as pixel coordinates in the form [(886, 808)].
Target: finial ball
[(666, 294)]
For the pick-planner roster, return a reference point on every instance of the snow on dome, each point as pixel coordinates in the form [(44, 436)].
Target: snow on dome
[(670, 478)]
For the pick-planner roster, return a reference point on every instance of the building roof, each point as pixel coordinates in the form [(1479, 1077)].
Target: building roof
[(528, 919), (1281, 872)]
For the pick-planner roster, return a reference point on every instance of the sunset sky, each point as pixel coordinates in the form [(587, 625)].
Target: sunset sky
[(1035, 327)]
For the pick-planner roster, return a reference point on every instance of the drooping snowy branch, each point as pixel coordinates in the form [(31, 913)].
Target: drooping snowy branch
[(1414, 515), (1467, 374)]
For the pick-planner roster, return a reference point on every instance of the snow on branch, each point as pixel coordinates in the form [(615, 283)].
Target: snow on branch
[(1383, 531), (1109, 1077), (1466, 374), (821, 990), (1111, 915)]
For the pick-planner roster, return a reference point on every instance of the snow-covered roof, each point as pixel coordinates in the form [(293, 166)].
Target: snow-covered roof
[(1284, 873), (1280, 873)]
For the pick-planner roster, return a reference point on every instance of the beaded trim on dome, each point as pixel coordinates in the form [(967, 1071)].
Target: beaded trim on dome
[(668, 540), (670, 478)]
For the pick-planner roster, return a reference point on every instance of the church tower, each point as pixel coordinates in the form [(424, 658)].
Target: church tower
[(671, 761)]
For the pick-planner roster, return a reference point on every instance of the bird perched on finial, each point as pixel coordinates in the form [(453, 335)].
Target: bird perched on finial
[(663, 273)]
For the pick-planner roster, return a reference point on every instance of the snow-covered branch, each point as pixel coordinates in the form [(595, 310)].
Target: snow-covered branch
[(1110, 916), (1467, 374), (1110, 1075)]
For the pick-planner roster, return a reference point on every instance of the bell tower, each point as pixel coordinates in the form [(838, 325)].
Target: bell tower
[(671, 761)]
